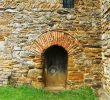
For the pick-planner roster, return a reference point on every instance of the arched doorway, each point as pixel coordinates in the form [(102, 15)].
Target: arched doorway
[(55, 67)]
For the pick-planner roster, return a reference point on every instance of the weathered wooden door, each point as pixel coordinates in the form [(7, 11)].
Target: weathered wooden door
[(55, 67)]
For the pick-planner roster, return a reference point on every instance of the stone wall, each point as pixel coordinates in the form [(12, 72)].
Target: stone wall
[(106, 43), (23, 22)]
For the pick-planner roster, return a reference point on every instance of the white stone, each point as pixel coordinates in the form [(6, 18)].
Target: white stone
[(17, 25), (30, 62), (11, 11), (17, 48), (104, 36), (69, 17), (16, 54), (2, 45)]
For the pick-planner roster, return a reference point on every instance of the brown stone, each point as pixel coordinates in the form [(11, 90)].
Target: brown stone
[(24, 80), (75, 75), (37, 60), (96, 50), (88, 81), (37, 84), (97, 86), (70, 61)]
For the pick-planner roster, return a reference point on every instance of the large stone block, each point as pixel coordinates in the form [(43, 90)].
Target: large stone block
[(34, 73), (75, 75)]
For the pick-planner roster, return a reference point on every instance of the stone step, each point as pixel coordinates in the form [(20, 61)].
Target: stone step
[(55, 89)]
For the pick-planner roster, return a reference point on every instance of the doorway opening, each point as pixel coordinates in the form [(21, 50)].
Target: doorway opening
[(55, 67)]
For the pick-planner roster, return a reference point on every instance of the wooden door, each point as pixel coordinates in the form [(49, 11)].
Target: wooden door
[(55, 71)]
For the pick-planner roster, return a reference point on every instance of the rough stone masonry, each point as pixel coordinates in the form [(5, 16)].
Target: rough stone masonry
[(29, 27)]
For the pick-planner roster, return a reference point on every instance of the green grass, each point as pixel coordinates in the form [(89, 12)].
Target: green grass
[(30, 93)]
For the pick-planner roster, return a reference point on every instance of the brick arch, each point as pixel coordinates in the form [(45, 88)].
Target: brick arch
[(65, 40)]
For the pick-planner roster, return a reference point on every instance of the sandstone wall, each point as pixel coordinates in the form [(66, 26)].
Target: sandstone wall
[(23, 21), (106, 43)]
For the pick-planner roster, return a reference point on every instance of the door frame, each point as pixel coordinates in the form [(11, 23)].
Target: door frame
[(44, 72)]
